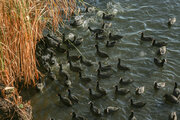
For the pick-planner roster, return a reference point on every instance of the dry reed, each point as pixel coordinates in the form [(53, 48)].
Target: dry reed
[(21, 26)]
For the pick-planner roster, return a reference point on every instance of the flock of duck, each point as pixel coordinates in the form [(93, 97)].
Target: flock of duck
[(102, 71)]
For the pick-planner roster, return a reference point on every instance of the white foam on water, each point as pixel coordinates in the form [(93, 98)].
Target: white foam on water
[(114, 8)]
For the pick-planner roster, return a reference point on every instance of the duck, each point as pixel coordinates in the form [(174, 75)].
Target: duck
[(90, 9), (100, 89), (106, 25), (94, 109), (74, 68), (72, 58), (62, 73), (74, 24), (77, 41), (102, 37), (176, 91), (73, 98), (110, 44), (86, 63), (161, 50), (171, 21), (52, 60), (120, 67), (139, 104), (103, 76), (139, 90), (100, 53), (132, 117), (94, 96), (66, 101), (158, 44), (114, 37), (125, 82), (121, 91), (146, 38), (107, 17), (51, 75), (158, 85), (64, 39), (40, 85), (171, 98), (85, 79), (104, 68), (172, 116), (75, 117), (159, 63), (67, 82), (98, 31), (60, 49), (110, 109)]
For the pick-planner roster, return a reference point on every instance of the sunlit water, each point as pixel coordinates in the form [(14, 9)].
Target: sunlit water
[(131, 18)]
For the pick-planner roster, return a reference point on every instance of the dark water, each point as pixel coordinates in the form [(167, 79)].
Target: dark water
[(131, 18)]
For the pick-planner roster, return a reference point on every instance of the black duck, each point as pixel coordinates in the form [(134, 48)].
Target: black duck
[(121, 91), (120, 67), (110, 44), (159, 63), (176, 91), (98, 31), (103, 76), (104, 68), (146, 38), (158, 44), (114, 37), (66, 101), (62, 73), (84, 79), (94, 96), (100, 53), (94, 109), (132, 117), (125, 82), (107, 17), (60, 49), (100, 89), (72, 58), (67, 82), (86, 63), (74, 68), (73, 98), (102, 37), (171, 98), (139, 104)]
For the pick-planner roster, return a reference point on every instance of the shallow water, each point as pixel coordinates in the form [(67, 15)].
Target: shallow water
[(131, 18)]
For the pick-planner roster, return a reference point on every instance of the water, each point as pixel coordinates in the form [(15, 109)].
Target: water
[(131, 18)]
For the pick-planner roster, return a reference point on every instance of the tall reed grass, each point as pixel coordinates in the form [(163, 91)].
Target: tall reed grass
[(21, 26)]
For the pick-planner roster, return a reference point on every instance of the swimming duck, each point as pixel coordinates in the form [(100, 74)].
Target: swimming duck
[(94, 96), (176, 91), (139, 90), (100, 89), (75, 117), (52, 60), (98, 31), (158, 44), (114, 37), (73, 98), (172, 116), (102, 37), (104, 68), (66, 101), (159, 63), (121, 91), (60, 49), (171, 98), (100, 53), (86, 63), (67, 82), (72, 58), (74, 68), (146, 38), (77, 41), (62, 73), (74, 24), (110, 109), (120, 67), (103, 76), (158, 85), (161, 50), (64, 39), (132, 117), (51, 75), (106, 25), (110, 44), (171, 21), (139, 104), (125, 82), (107, 17), (94, 109), (85, 79)]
